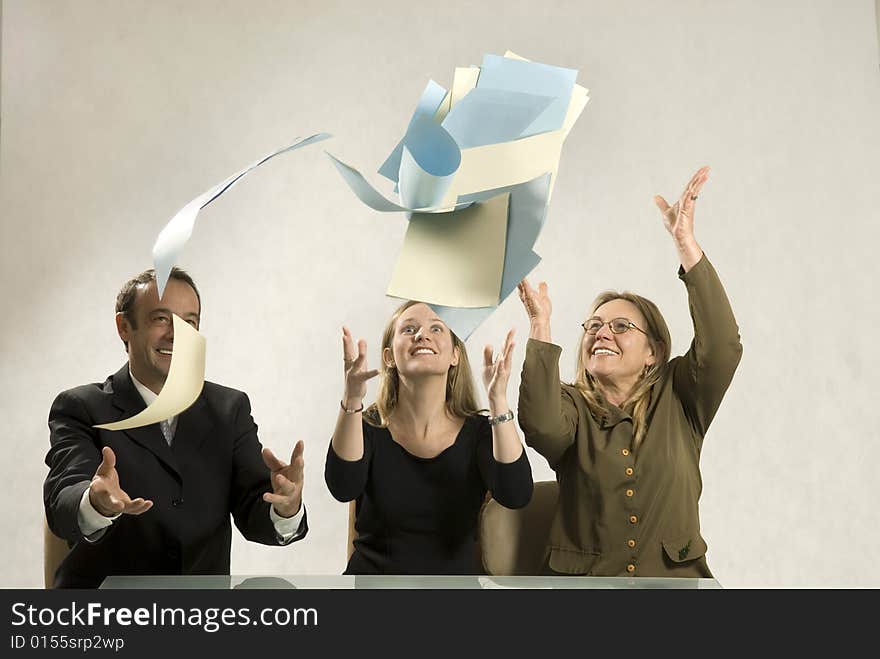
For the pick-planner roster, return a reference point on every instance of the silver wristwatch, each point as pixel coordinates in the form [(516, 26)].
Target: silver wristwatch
[(495, 420)]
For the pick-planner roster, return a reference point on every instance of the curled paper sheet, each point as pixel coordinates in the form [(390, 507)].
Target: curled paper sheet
[(429, 160), (186, 377), (172, 239), (429, 104)]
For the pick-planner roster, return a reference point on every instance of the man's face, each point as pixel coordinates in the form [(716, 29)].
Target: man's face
[(151, 337)]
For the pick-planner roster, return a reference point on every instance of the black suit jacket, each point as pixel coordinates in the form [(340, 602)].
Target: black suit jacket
[(213, 468)]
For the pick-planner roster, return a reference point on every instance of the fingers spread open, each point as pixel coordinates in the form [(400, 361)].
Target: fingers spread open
[(108, 462), (488, 352), (271, 461), (138, 506), (282, 485), (348, 351), (298, 451)]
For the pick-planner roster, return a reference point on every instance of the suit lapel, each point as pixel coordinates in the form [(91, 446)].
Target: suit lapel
[(128, 401), (193, 427)]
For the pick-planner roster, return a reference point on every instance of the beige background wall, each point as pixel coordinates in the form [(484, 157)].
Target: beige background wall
[(115, 114)]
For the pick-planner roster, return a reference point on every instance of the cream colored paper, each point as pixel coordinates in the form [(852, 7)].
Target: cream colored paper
[(464, 80), (506, 163), (454, 260), (186, 377)]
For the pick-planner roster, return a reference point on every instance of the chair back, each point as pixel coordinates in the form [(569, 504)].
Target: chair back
[(54, 551), (514, 542)]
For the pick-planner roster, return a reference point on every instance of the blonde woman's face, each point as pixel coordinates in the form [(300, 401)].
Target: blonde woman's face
[(421, 344), (618, 359)]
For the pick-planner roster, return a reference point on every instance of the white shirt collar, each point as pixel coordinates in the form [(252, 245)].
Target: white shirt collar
[(148, 395)]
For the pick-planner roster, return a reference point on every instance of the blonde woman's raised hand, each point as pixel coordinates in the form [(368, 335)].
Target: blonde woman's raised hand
[(354, 356), (496, 372), (538, 307)]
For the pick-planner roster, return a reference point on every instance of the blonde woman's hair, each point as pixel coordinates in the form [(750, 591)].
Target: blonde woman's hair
[(640, 398), (461, 400)]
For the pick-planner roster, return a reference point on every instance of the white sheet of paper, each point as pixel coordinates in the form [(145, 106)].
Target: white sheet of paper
[(454, 259), (174, 236), (186, 377)]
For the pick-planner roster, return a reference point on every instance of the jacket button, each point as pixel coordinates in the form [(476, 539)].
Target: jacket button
[(630, 543), (176, 502), (630, 568), (629, 493), (633, 519), (624, 451), (629, 471)]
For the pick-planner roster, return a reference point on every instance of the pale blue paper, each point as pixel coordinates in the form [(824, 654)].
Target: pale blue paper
[(427, 107), (526, 213), (363, 189), (532, 78), (491, 116), (174, 236), (462, 321), (429, 162), (372, 197)]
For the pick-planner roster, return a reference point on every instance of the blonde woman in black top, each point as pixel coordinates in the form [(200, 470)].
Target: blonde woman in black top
[(420, 460)]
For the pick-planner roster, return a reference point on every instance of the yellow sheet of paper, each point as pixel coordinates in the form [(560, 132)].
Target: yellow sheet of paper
[(464, 80), (186, 377), (454, 260)]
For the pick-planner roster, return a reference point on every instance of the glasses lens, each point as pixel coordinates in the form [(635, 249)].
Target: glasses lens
[(593, 325), (619, 325)]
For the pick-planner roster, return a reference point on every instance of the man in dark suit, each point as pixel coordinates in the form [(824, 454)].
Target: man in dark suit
[(157, 499)]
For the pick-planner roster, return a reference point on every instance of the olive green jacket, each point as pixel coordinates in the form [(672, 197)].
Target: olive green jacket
[(623, 512)]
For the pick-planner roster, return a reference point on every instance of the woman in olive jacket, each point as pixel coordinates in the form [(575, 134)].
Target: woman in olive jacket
[(625, 437)]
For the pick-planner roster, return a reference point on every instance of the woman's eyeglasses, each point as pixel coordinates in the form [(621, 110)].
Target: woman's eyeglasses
[(617, 325)]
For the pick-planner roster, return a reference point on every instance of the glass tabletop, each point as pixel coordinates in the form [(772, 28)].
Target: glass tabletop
[(394, 582)]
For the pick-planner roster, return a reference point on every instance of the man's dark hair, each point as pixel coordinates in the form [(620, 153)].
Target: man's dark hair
[(128, 294)]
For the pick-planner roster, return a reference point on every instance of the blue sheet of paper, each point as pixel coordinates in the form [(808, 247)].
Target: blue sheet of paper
[(174, 236), (533, 78), (490, 116), (427, 106), (372, 197), (428, 164)]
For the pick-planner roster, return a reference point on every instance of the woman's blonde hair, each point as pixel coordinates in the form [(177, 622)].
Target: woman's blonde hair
[(461, 400), (640, 398)]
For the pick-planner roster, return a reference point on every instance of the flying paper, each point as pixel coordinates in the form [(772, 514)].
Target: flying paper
[(498, 133), (186, 377), (172, 239)]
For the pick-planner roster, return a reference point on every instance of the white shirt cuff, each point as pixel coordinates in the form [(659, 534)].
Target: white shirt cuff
[(286, 527), (90, 520)]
